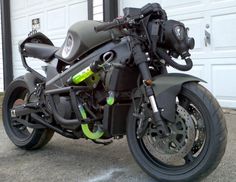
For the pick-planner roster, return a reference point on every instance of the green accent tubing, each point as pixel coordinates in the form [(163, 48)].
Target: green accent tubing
[(110, 101), (111, 98), (91, 135)]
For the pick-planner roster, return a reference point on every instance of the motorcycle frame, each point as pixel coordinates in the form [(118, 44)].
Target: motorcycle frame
[(56, 84)]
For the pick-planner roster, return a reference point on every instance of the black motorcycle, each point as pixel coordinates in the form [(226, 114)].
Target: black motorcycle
[(109, 80)]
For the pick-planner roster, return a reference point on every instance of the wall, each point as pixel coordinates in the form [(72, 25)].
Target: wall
[(55, 18)]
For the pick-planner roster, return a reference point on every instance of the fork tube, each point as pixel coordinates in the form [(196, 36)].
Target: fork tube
[(141, 61)]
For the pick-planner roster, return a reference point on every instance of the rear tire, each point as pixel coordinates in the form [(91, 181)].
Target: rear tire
[(25, 139), (211, 154)]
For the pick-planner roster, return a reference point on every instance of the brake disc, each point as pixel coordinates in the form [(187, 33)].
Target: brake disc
[(199, 128), (176, 146)]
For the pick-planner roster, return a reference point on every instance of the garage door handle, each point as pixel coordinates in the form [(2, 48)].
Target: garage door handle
[(207, 38)]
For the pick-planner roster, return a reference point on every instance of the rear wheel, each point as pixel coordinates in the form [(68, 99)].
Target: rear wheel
[(17, 94), (196, 144)]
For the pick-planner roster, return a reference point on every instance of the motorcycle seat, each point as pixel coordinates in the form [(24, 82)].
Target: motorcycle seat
[(40, 51)]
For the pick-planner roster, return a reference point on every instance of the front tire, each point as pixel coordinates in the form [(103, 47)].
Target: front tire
[(212, 149), (19, 134)]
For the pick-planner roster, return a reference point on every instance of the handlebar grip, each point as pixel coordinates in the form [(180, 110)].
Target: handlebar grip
[(106, 26)]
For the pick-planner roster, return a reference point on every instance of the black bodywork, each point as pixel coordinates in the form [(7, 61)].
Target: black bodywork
[(135, 70)]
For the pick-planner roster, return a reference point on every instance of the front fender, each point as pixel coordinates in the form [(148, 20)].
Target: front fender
[(166, 88), (163, 83)]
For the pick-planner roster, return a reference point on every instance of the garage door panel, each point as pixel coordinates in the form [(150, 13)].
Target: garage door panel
[(20, 26), (56, 18), (223, 31), (18, 5), (78, 12), (223, 85), (221, 77), (223, 24)]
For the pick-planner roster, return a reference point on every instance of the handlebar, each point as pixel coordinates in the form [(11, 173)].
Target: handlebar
[(105, 26), (109, 25), (133, 13)]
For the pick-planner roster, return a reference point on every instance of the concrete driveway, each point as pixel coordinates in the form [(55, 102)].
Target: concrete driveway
[(82, 161)]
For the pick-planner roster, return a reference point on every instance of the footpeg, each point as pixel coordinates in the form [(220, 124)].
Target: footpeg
[(22, 111)]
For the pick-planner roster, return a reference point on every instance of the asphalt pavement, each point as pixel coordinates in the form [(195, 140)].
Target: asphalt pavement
[(83, 161)]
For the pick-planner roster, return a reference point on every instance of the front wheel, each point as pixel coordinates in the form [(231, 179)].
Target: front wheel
[(196, 143)]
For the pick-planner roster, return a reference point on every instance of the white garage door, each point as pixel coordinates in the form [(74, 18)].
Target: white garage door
[(216, 61), (55, 17), (98, 10)]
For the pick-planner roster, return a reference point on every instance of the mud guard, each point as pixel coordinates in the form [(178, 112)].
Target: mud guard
[(166, 88)]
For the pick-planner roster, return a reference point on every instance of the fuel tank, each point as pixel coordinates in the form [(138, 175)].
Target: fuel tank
[(82, 38)]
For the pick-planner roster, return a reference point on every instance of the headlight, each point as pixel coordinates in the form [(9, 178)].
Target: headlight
[(175, 38)]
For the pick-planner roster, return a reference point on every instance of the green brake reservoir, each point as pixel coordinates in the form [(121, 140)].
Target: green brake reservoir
[(82, 75)]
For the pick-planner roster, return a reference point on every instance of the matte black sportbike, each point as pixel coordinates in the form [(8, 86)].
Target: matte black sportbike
[(109, 80)]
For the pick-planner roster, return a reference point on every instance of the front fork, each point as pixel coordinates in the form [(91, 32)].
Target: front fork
[(141, 61)]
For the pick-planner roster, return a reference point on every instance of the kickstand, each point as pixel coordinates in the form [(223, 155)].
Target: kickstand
[(103, 143)]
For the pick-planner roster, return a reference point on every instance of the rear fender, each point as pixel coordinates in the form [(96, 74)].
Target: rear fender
[(166, 88)]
